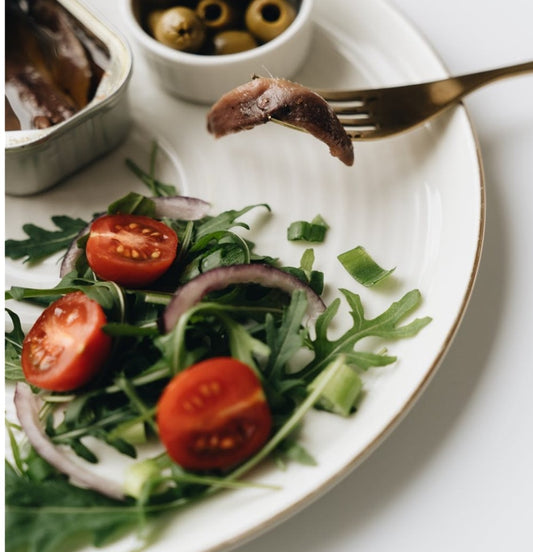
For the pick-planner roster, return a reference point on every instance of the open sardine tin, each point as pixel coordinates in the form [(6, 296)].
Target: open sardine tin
[(37, 159)]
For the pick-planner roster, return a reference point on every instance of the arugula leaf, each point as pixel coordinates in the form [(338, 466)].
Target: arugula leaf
[(42, 243), (13, 348), (211, 243), (242, 344), (225, 220), (41, 516), (220, 248), (108, 294), (364, 360), (386, 326), (97, 413), (284, 341), (313, 278)]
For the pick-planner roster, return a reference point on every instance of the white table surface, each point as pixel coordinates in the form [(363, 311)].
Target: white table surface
[(457, 473)]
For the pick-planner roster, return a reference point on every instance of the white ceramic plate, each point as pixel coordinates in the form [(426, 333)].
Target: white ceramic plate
[(416, 202)]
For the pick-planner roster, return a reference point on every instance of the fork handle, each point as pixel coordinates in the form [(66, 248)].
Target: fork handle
[(473, 81)]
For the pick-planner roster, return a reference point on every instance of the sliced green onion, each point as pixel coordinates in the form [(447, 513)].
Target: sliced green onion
[(314, 231), (362, 267), (341, 392), (138, 475)]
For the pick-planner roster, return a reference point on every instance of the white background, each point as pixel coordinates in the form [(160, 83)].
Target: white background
[(457, 474)]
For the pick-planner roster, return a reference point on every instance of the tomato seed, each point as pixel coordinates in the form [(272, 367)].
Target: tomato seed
[(212, 443), (204, 390), (200, 444), (227, 443), (197, 401)]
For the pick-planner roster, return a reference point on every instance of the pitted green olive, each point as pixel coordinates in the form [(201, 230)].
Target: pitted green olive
[(217, 14), (232, 42), (266, 19), (179, 28)]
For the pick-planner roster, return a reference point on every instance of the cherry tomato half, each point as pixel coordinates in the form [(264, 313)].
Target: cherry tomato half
[(213, 415), (131, 250), (66, 346)]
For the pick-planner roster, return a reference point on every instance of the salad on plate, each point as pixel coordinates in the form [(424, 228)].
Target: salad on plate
[(171, 344)]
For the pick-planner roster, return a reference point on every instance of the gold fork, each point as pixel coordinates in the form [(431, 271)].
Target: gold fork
[(377, 113)]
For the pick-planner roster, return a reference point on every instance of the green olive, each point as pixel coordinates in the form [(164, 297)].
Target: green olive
[(179, 28), (266, 19), (153, 19), (217, 14), (231, 42)]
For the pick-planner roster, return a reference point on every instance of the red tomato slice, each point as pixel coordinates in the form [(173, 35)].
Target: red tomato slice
[(66, 346), (131, 250), (213, 415)]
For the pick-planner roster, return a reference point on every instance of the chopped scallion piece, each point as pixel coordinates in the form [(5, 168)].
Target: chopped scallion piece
[(362, 267), (314, 231), (138, 475), (341, 393)]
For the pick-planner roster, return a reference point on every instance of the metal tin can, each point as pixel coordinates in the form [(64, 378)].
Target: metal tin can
[(37, 159)]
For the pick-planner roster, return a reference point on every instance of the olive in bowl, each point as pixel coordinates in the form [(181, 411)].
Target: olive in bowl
[(267, 19), (233, 41), (230, 53), (178, 28), (219, 15)]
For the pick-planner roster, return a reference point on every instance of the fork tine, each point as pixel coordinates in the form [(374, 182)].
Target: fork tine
[(367, 132), (343, 109), (359, 120)]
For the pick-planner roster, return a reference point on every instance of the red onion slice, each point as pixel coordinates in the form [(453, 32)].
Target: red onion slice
[(219, 278), (27, 408), (68, 264), (180, 207)]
